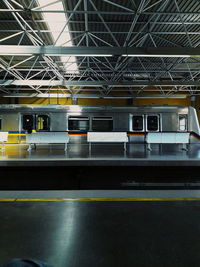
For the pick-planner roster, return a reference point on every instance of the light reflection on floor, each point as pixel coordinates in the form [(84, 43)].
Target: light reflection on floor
[(100, 151)]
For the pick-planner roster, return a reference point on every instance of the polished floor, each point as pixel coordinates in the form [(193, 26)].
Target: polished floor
[(79, 230), (101, 154)]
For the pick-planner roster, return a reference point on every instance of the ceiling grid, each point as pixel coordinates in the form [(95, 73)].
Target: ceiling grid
[(99, 49)]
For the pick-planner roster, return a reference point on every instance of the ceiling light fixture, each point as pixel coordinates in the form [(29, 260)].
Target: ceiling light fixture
[(154, 55), (79, 55), (57, 24)]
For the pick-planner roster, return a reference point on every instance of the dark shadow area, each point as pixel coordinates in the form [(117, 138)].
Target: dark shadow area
[(98, 177)]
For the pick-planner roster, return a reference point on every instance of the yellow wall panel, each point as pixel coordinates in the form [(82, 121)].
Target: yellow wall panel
[(45, 101), (107, 102), (163, 101), (4, 100), (103, 102)]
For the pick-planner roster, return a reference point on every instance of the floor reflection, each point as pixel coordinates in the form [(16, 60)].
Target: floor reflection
[(102, 151)]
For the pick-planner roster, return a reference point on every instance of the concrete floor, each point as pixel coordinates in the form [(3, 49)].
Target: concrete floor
[(65, 229), (102, 233)]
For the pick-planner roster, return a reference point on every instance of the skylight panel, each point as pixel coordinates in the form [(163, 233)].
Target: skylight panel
[(56, 26)]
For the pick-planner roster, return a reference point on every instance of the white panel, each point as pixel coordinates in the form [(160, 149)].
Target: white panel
[(47, 138), (182, 138), (107, 137), (3, 136), (154, 138), (168, 138)]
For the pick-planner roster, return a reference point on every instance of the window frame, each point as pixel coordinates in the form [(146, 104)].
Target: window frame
[(102, 118), (71, 117), (36, 122), (146, 122), (22, 121), (143, 122), (186, 122)]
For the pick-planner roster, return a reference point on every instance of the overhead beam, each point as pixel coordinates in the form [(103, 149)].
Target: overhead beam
[(100, 51), (103, 32), (97, 12), (92, 96), (85, 83), (189, 22)]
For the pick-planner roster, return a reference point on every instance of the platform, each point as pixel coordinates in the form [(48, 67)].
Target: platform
[(102, 228), (101, 155), (104, 167)]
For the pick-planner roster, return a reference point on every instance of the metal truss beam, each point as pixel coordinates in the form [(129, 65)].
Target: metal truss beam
[(188, 22), (98, 51), (103, 32), (93, 96), (89, 83), (98, 12)]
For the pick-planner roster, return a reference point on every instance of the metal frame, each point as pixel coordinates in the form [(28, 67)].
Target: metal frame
[(146, 127), (186, 120), (93, 118), (36, 122), (21, 119), (131, 122), (78, 116), (136, 75)]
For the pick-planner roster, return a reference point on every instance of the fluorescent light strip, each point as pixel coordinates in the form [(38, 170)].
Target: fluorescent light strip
[(153, 55), (79, 55), (14, 54), (57, 24)]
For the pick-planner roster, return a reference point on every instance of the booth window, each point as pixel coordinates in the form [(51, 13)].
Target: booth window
[(102, 124), (28, 122), (152, 123), (78, 123), (182, 122), (43, 123), (137, 122)]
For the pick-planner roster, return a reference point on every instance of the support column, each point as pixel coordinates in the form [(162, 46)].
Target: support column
[(74, 101), (13, 100), (193, 99)]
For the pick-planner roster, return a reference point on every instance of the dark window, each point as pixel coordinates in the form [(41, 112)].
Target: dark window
[(78, 123), (43, 123), (137, 123), (28, 122), (102, 124), (152, 123), (0, 124)]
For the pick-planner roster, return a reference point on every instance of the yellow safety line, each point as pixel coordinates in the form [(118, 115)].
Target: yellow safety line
[(94, 199), (16, 134)]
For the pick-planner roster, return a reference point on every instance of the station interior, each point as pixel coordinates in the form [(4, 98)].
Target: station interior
[(99, 133)]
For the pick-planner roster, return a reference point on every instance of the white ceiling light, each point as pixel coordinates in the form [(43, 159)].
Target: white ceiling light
[(14, 54), (154, 55), (56, 26), (80, 55)]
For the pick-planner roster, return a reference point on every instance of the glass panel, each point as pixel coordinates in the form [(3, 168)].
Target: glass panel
[(28, 123), (102, 124), (182, 123), (152, 123), (0, 124), (137, 123), (43, 123), (78, 124)]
